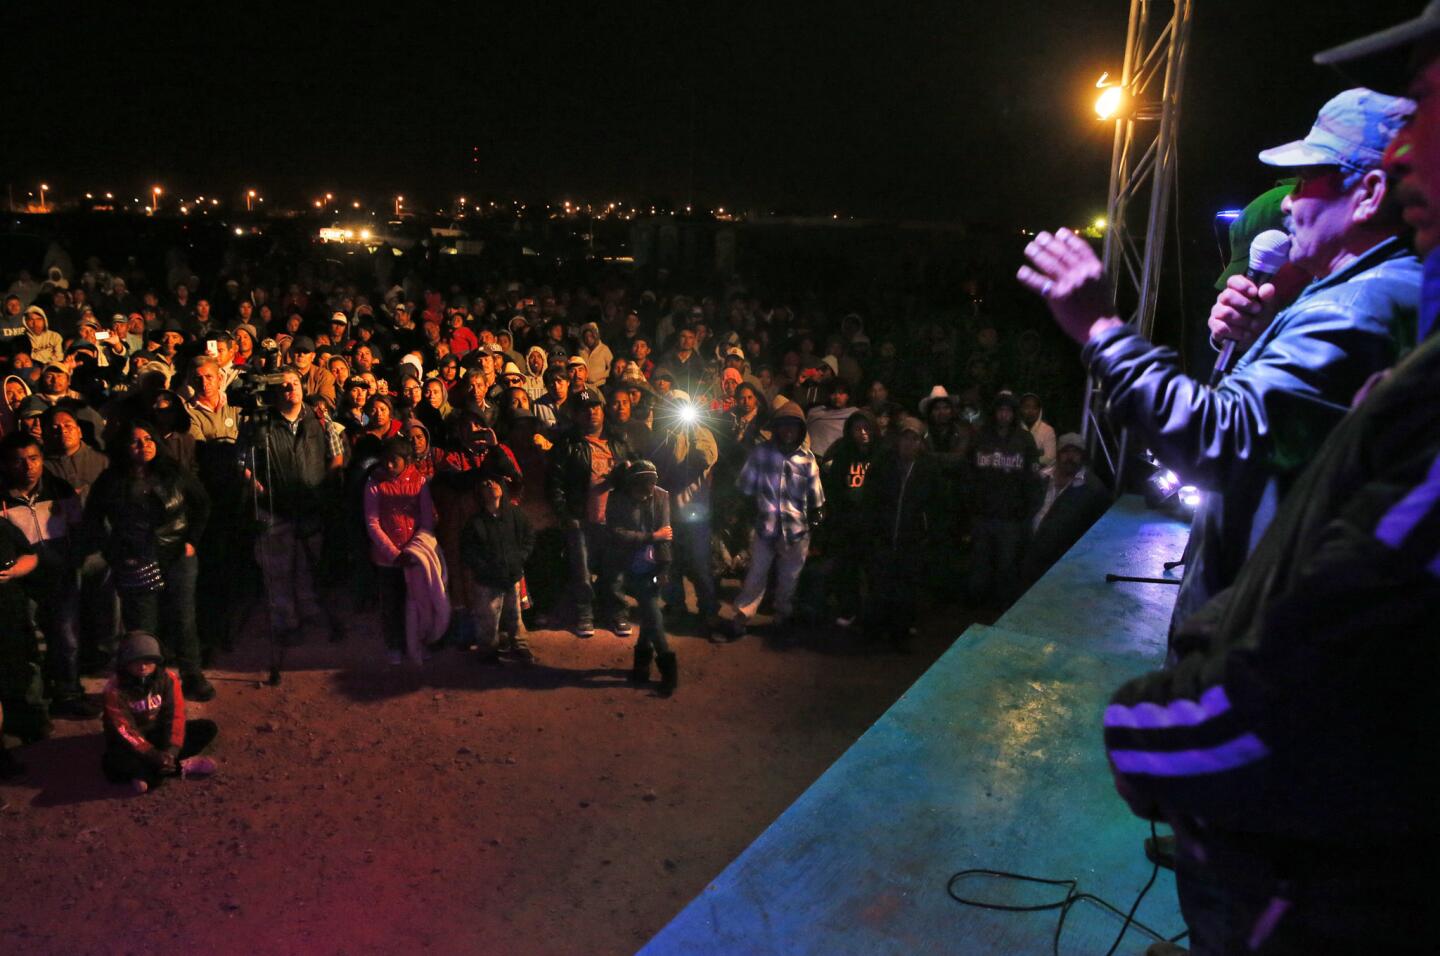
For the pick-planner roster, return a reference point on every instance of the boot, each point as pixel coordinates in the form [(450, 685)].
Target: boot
[(669, 678), (640, 673)]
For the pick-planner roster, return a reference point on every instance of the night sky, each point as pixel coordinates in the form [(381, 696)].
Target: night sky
[(977, 111)]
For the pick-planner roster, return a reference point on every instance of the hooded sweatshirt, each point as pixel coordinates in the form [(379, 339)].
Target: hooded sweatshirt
[(45, 346), (535, 381)]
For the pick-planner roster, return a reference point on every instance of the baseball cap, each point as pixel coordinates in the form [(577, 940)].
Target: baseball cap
[(339, 317), (302, 343), (1070, 440), (573, 361), (1383, 61), (588, 396), (641, 468), (1261, 214), (31, 406), (1352, 131)]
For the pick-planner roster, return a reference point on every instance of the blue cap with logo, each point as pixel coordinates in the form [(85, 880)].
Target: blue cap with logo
[(1352, 132)]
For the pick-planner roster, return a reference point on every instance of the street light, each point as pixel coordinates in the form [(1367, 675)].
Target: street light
[(249, 201), (155, 203), (43, 187), (399, 201)]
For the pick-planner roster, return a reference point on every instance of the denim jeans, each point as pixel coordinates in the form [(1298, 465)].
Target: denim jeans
[(646, 592), (691, 559), (169, 614), (57, 613), (585, 548)]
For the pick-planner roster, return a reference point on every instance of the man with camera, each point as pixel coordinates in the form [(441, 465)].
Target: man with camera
[(292, 455)]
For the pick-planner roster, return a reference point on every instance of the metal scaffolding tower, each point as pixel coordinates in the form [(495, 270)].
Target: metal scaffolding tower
[(1146, 132)]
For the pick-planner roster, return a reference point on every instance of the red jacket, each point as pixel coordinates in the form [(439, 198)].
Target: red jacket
[(395, 510), (147, 716)]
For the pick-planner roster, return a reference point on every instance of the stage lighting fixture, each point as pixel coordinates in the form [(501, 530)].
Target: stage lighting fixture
[(1107, 105), (689, 414)]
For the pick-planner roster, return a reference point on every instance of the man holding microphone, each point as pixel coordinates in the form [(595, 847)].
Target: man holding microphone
[(1244, 440), (1281, 742)]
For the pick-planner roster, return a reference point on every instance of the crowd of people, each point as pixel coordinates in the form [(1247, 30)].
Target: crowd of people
[(469, 461)]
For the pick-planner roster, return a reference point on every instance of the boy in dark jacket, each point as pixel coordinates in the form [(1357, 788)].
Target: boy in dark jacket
[(640, 536), (494, 546), (901, 493), (1004, 490), (147, 737)]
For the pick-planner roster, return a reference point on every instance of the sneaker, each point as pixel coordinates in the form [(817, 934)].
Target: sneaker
[(520, 651), (845, 620), (621, 627), (396, 658), (139, 786), (737, 626), (585, 629), (198, 766), (197, 688), (76, 707)]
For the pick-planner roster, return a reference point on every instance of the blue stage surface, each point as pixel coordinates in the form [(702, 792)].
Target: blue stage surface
[(993, 759)]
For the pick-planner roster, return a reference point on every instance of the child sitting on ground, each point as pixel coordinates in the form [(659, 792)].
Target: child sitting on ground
[(147, 737)]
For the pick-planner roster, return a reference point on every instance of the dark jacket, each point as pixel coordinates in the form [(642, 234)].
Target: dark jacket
[(1004, 476), (295, 465), (151, 520), (899, 498), (1244, 442), (1297, 706), (567, 479), (631, 524), (1071, 514), (844, 473), (496, 547)]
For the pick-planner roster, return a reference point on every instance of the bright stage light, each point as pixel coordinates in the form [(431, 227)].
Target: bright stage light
[(688, 414), (1108, 104)]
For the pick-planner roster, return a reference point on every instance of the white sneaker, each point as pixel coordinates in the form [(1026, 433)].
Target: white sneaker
[(198, 766)]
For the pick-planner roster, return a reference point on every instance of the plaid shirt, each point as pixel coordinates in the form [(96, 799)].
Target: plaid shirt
[(785, 488)]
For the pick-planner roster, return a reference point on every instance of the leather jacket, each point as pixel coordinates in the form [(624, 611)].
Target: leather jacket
[(1245, 441), (153, 519), (567, 480)]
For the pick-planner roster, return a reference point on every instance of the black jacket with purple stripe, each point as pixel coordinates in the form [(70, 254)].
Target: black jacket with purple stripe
[(1300, 706)]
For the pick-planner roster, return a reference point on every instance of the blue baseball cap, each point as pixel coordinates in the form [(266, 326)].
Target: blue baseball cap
[(1351, 131)]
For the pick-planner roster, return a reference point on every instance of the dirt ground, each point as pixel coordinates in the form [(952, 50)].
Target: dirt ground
[(456, 808)]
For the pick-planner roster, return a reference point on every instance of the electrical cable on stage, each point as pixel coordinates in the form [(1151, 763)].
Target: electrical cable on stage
[(1072, 896)]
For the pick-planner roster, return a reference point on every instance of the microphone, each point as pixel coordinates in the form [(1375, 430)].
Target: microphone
[(1269, 252)]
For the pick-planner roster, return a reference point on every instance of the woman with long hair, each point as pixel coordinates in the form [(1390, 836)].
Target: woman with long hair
[(146, 514)]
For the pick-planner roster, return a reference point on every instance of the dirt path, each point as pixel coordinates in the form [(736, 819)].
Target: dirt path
[(460, 808)]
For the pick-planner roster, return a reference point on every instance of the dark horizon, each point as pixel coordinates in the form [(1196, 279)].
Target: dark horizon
[(977, 113)]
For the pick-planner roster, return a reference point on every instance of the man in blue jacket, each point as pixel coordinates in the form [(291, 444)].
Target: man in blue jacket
[(1245, 441)]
